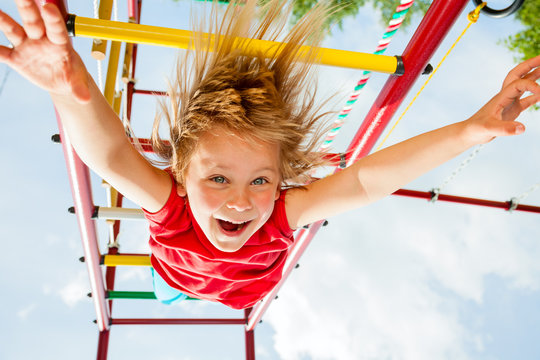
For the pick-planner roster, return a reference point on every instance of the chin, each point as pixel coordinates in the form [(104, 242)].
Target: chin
[(227, 246)]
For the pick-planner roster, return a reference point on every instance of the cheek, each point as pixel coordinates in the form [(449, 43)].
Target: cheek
[(203, 200), (265, 203), (209, 200)]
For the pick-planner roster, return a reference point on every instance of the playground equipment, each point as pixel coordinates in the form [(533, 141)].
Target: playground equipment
[(405, 69)]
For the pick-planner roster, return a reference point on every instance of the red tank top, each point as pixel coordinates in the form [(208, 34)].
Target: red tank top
[(187, 261)]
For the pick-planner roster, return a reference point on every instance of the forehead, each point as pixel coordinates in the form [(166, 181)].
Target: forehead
[(224, 148)]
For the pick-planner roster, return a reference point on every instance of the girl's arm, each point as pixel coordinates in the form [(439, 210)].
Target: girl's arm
[(385, 171), (42, 53), (99, 138)]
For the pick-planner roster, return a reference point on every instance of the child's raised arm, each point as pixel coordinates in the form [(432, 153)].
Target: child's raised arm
[(385, 171), (42, 53)]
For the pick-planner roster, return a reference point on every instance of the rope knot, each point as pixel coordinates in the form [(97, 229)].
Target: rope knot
[(475, 14)]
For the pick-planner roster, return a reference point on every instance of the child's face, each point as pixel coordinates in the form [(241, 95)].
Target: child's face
[(231, 185)]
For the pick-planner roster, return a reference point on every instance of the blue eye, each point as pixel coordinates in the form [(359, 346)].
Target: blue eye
[(259, 181), (218, 179)]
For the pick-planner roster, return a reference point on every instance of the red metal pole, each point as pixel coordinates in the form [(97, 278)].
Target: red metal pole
[(110, 272), (135, 46), (250, 338), (129, 97), (136, 11), (103, 345), (430, 33), (79, 178), (178, 321), (133, 9), (506, 205), (434, 26), (302, 239)]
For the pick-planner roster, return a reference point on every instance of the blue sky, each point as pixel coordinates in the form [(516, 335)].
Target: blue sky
[(399, 279)]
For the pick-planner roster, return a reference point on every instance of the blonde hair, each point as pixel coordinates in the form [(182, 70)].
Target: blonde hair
[(270, 99)]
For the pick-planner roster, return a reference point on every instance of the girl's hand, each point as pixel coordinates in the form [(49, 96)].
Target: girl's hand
[(41, 51), (497, 117)]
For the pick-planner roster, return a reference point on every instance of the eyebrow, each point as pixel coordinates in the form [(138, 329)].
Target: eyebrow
[(213, 166), (221, 167)]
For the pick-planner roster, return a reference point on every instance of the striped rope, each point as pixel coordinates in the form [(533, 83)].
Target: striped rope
[(393, 26)]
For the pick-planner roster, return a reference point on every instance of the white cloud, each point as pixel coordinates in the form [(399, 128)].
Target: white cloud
[(133, 236), (25, 311), (141, 274), (76, 289), (261, 351), (46, 289), (485, 243), (369, 291)]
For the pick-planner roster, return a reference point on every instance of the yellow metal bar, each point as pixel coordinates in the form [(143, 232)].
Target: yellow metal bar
[(99, 47), (161, 36), (126, 260), (112, 70)]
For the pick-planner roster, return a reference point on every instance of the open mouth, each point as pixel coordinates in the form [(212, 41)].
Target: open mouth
[(231, 228)]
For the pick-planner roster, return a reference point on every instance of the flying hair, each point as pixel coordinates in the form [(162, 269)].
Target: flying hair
[(264, 97)]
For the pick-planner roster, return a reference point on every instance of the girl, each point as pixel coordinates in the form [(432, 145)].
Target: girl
[(241, 129)]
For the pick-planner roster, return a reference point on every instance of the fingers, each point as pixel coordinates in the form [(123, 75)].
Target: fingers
[(529, 101), (516, 89), (13, 31), (55, 25), (31, 18), (5, 54), (507, 128), (533, 75), (522, 70), (513, 128)]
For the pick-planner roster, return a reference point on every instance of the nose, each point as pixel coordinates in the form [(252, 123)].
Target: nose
[(239, 200)]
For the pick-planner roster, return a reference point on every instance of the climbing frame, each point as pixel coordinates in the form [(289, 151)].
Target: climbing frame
[(405, 69)]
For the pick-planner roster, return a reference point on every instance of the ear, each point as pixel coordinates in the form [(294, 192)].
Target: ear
[(181, 190), (278, 192)]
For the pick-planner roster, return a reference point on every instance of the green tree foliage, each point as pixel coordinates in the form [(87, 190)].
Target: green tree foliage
[(526, 43)]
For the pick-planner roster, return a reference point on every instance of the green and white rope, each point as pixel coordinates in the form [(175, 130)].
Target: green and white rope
[(391, 29)]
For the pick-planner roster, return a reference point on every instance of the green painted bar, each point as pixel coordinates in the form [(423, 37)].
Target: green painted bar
[(135, 295)]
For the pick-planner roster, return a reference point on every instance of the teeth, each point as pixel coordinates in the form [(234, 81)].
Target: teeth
[(235, 222), (233, 225)]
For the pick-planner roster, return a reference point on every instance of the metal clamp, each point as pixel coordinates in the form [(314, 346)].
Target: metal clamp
[(342, 161), (434, 194), (513, 204), (502, 12)]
